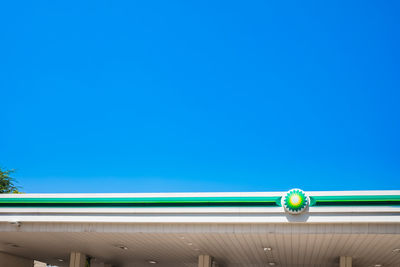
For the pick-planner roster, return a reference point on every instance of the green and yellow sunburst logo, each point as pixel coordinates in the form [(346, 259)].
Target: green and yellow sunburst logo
[(295, 201)]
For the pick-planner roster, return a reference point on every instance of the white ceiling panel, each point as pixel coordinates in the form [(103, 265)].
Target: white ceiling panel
[(293, 245)]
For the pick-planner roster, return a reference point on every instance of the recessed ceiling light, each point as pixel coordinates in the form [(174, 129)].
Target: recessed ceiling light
[(396, 250), (60, 260), (121, 247), (378, 265), (152, 262), (190, 244), (271, 263), (267, 249), (17, 223)]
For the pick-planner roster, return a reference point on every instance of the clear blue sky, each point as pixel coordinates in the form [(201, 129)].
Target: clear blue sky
[(161, 96)]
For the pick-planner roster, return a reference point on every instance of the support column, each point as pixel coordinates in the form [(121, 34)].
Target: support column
[(77, 259), (205, 261), (346, 261)]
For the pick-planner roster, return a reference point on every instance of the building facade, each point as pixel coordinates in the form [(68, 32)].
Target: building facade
[(288, 229)]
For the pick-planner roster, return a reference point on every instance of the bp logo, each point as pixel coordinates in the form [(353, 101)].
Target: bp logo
[(295, 201)]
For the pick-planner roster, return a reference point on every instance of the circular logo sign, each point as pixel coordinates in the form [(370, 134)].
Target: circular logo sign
[(295, 201)]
